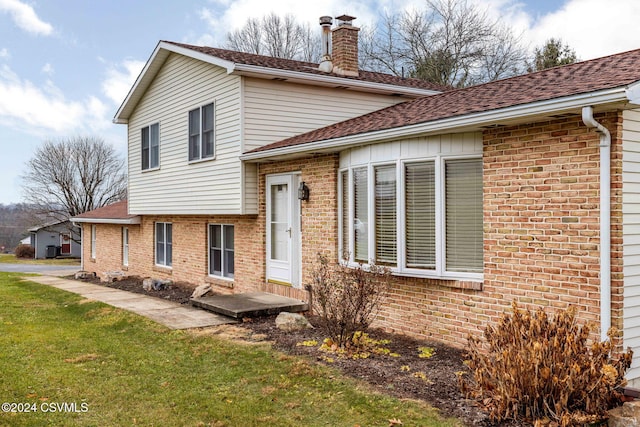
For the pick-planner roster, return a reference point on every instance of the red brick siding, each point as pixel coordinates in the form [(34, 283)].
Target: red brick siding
[(541, 235)]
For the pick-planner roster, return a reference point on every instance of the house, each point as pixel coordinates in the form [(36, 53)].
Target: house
[(243, 168), (55, 239)]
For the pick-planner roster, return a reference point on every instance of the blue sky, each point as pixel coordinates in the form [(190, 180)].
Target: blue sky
[(66, 65)]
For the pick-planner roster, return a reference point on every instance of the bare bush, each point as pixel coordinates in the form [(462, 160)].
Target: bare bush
[(535, 368), (347, 299), (24, 251)]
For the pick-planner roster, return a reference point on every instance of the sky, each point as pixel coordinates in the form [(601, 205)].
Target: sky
[(67, 65)]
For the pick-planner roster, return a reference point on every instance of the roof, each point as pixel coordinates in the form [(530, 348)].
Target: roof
[(46, 225), (247, 64), (598, 81), (308, 67), (116, 213)]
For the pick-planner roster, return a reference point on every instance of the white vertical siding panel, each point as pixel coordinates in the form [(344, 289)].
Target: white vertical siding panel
[(209, 187), (275, 110), (631, 237)]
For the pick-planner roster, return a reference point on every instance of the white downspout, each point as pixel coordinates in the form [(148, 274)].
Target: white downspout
[(605, 220)]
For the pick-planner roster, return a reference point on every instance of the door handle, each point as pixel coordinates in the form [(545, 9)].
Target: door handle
[(289, 231)]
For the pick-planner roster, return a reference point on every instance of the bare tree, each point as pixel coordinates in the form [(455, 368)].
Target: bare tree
[(71, 176), (280, 37), (450, 42)]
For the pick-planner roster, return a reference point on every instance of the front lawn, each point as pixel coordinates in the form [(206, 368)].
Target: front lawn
[(11, 259), (98, 365)]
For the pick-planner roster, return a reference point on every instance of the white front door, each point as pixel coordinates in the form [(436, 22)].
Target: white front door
[(283, 230)]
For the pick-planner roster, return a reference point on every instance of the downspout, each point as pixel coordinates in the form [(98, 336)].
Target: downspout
[(605, 220)]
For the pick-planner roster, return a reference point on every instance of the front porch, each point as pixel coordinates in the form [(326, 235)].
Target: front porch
[(253, 304)]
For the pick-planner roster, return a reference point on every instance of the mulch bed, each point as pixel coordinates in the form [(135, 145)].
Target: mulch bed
[(433, 380)]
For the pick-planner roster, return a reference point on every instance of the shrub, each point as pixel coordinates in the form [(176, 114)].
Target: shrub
[(537, 368), (24, 251), (346, 299)]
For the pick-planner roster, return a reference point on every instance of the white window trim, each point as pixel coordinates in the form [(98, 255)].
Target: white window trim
[(215, 148), (154, 168), (440, 271), (125, 246), (93, 241), (222, 225), (155, 244)]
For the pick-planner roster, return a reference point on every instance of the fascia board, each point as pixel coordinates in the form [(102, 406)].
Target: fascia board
[(123, 221), (633, 93), (254, 70), (449, 124)]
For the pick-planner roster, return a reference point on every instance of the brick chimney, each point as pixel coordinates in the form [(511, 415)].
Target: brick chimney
[(344, 39)]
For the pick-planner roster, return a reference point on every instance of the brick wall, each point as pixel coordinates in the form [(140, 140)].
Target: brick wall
[(541, 235)]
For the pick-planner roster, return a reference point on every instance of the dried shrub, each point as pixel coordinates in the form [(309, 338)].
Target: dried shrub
[(24, 251), (535, 368), (345, 298)]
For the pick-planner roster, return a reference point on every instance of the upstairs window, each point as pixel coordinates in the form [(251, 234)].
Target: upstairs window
[(150, 146), (201, 133)]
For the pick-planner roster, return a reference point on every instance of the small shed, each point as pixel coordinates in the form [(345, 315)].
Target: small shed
[(55, 240)]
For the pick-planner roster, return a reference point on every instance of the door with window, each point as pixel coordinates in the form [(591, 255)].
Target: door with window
[(283, 230), (65, 243)]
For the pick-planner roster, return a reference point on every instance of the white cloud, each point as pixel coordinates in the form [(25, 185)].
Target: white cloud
[(120, 78), (48, 69), (44, 110), (593, 28), (25, 17), (4, 53)]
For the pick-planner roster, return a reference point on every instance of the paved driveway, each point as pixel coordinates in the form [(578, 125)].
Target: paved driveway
[(51, 270)]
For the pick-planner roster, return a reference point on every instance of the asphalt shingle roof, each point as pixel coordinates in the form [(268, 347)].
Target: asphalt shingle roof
[(307, 67), (584, 77), (118, 210)]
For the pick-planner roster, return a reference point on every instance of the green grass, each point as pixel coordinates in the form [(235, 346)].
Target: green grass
[(11, 259), (56, 347)]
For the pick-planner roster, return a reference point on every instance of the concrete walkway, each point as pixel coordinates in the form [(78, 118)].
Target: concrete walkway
[(168, 313)]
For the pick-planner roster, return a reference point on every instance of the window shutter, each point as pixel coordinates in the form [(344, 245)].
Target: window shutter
[(361, 215), (420, 212), (145, 147), (154, 161), (463, 210), (385, 214)]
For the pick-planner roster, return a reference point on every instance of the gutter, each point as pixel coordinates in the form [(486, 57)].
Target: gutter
[(605, 220), (119, 221)]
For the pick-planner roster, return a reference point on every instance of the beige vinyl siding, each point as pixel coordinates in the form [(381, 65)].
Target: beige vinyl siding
[(180, 187), (276, 110), (631, 236)]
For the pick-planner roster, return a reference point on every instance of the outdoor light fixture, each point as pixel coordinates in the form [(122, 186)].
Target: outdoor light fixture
[(303, 192)]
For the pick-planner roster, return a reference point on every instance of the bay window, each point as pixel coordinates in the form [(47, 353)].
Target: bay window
[(420, 218)]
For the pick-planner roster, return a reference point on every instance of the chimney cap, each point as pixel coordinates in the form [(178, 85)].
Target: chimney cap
[(345, 19), (326, 20)]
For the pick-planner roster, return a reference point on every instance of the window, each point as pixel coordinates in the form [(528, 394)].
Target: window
[(221, 250), (125, 246), (424, 218), (164, 240), (201, 135), (93, 241), (150, 147)]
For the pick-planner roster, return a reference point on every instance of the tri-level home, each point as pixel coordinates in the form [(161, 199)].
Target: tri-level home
[(525, 189)]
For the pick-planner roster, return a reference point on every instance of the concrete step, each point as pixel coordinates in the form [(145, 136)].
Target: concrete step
[(254, 304)]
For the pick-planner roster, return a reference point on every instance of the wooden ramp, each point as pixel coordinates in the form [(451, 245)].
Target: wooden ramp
[(254, 304)]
